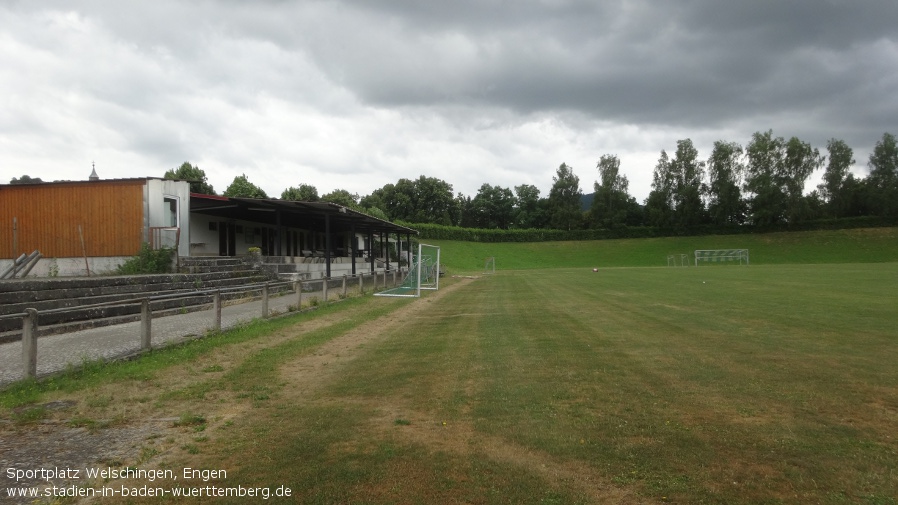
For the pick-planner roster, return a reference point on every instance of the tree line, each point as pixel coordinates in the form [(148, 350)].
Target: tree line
[(760, 184)]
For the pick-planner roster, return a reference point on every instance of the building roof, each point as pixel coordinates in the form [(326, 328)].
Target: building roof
[(307, 215)]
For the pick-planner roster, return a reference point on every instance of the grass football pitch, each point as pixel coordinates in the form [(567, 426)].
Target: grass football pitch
[(774, 383), (721, 385)]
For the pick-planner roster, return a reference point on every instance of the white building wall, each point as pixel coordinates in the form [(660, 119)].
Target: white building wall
[(157, 213)]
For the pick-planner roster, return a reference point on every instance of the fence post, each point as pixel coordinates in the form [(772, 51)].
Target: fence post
[(265, 300), (361, 283), (344, 285), (297, 286), (146, 324), (324, 287), (29, 342), (216, 310)]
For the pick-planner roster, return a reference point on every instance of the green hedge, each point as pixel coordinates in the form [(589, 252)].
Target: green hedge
[(441, 232)]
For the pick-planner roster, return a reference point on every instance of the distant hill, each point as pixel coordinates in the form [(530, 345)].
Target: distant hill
[(586, 201)]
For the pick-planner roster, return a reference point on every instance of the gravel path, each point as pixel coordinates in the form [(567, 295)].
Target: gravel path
[(56, 352)]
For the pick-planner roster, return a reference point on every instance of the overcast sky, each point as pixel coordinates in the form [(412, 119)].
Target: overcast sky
[(355, 94)]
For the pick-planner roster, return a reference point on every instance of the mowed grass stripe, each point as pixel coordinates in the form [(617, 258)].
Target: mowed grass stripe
[(719, 385), (787, 381), (348, 442)]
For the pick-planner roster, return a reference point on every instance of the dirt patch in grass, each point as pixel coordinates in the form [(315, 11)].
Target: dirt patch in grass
[(133, 423), (460, 438), (401, 423), (140, 423)]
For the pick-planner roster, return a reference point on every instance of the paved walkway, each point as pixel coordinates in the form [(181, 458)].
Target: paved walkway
[(56, 352)]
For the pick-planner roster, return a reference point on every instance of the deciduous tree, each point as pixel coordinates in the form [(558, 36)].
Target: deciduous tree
[(563, 203), (800, 160), (301, 193), (883, 178), (492, 207), (833, 189), (689, 172), (659, 206), (725, 169), (763, 178), (342, 197), (424, 200), (192, 174), (527, 210), (26, 179), (612, 205), (241, 187)]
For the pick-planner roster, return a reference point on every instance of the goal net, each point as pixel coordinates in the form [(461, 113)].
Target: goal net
[(423, 274), (721, 255), (489, 266)]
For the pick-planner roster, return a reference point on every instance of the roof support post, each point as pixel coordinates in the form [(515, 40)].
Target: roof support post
[(353, 245), (386, 249), (278, 232), (327, 244), (408, 244), (371, 248)]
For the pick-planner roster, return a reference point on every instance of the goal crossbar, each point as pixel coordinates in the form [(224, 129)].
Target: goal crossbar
[(721, 255)]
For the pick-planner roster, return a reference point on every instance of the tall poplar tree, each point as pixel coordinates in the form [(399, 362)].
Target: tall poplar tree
[(612, 205), (725, 169), (689, 172), (563, 204), (883, 178), (836, 179)]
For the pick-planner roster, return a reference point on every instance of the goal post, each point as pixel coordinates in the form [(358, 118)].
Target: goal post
[(489, 265), (423, 274), (429, 273), (721, 255)]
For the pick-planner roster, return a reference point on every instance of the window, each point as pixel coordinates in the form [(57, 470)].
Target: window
[(171, 211)]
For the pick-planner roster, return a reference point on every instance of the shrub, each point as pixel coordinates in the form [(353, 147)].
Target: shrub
[(148, 261)]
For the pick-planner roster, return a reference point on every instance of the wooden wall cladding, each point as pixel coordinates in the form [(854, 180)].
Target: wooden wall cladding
[(110, 214)]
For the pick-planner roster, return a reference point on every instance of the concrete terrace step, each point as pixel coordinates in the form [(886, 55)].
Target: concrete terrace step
[(89, 317), (91, 299), (75, 303), (75, 294), (212, 260), (23, 291), (209, 264)]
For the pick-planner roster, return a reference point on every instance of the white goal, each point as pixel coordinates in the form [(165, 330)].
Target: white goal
[(489, 266), (721, 255), (424, 273)]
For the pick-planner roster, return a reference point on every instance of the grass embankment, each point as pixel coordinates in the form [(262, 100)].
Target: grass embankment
[(871, 245), (767, 384)]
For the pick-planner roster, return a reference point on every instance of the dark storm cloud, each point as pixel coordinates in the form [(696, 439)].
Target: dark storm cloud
[(381, 88), (669, 63)]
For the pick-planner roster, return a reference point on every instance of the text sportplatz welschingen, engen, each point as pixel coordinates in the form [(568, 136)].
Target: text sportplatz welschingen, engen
[(188, 482)]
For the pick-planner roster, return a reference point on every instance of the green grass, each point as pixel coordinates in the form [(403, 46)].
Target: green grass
[(768, 384), (91, 374), (836, 246), (549, 383)]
